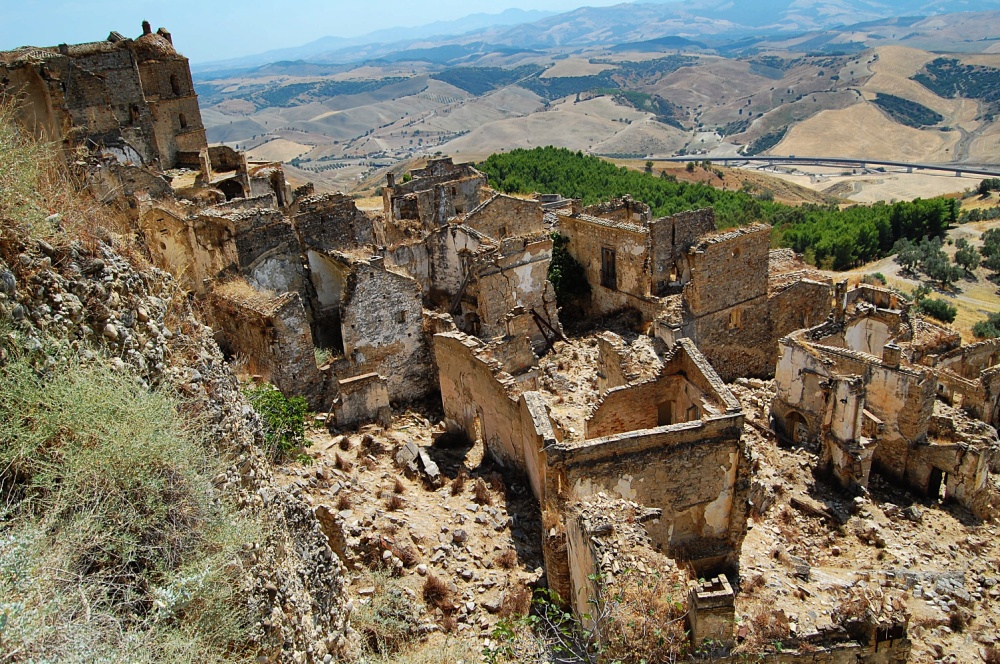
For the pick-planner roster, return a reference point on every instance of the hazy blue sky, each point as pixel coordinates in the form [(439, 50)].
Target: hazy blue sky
[(218, 29)]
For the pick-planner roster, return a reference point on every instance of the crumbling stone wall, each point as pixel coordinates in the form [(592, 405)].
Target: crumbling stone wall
[(333, 222), (802, 304), (276, 340), (503, 216), (435, 194), (703, 519), (670, 238), (727, 301), (513, 281), (382, 324), (196, 250), (621, 209), (269, 252), (590, 239), (686, 389), (132, 98)]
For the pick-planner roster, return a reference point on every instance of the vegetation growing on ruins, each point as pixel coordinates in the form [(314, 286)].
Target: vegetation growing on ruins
[(114, 544), (830, 237), (283, 418), (566, 274)]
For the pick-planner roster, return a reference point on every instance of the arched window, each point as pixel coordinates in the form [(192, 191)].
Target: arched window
[(183, 120), (175, 85)]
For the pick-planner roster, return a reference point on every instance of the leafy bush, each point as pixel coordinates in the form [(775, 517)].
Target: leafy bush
[(283, 417), (938, 308), (874, 278), (989, 328)]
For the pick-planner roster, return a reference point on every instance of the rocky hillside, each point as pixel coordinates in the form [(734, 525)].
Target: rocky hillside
[(140, 520)]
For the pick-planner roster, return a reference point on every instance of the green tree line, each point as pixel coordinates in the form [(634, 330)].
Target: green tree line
[(829, 236)]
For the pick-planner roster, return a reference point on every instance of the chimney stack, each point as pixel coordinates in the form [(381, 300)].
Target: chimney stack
[(147, 29)]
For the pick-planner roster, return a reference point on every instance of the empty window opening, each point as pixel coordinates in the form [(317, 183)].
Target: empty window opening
[(183, 121), (735, 319), (401, 317), (609, 271), (692, 414), (665, 414), (175, 85)]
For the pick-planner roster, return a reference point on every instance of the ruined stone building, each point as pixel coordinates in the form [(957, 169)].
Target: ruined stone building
[(863, 389), (686, 279), (643, 440), (433, 194), (133, 98)]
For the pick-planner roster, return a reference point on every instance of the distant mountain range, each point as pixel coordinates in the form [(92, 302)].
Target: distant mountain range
[(326, 48), (718, 20)]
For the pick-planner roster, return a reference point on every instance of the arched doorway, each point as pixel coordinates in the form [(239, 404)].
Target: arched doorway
[(231, 188)]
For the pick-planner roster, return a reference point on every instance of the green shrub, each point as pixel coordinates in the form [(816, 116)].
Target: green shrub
[(989, 328), (938, 308), (283, 417), (115, 546), (874, 279)]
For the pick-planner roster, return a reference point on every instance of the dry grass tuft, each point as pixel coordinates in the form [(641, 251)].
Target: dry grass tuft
[(448, 623), (240, 291), (342, 464), (482, 493), (394, 502), (507, 559), (437, 593), (344, 501), (398, 486), (497, 483), (516, 602), (406, 553), (458, 484), (344, 443)]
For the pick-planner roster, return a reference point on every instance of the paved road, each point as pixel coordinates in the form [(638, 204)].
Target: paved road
[(957, 169)]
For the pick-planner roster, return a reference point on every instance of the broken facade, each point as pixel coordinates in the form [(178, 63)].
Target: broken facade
[(132, 98), (848, 388), (688, 280)]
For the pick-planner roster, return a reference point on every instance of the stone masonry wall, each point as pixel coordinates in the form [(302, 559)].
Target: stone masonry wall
[(382, 323), (332, 222), (506, 216), (587, 237)]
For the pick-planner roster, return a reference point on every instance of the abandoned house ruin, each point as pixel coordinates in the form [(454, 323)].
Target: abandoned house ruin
[(863, 388)]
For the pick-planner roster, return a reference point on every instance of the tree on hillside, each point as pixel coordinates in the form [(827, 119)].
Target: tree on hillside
[(649, 167), (989, 328), (907, 254), (967, 256), (935, 264)]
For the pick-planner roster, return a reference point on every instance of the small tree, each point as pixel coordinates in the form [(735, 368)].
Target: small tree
[(967, 256), (649, 167), (908, 255), (989, 328)]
